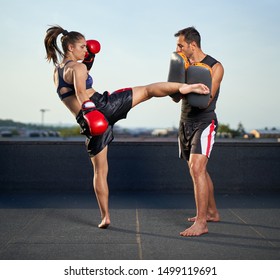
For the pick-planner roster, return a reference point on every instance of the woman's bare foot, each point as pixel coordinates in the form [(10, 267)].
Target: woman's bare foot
[(104, 223), (215, 217), (196, 229), (197, 88)]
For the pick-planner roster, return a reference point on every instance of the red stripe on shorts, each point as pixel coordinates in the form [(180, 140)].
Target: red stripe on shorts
[(212, 128), (121, 90)]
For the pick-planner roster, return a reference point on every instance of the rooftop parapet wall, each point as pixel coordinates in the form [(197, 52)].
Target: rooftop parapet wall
[(136, 166)]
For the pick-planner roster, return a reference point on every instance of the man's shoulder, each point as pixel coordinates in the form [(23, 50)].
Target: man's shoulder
[(210, 60)]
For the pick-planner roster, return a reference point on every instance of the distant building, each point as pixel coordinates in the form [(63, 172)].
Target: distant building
[(224, 135), (164, 132), (160, 132), (266, 133)]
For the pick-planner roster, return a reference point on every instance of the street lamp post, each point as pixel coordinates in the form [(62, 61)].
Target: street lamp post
[(43, 111)]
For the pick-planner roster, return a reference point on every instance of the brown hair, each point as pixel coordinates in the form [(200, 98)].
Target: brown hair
[(190, 34), (67, 38)]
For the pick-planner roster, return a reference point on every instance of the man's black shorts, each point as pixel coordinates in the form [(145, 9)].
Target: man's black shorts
[(196, 138), (114, 107)]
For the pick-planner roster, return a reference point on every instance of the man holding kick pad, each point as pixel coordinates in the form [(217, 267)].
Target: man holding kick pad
[(198, 124)]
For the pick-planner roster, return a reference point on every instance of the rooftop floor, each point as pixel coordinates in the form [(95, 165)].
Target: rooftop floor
[(145, 226)]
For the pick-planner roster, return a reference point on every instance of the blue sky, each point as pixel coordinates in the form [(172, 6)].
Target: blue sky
[(137, 39)]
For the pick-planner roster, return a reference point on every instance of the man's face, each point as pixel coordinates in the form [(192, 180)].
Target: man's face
[(183, 46)]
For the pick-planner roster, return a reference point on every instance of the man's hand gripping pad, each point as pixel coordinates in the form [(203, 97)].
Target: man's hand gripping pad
[(199, 73), (177, 72)]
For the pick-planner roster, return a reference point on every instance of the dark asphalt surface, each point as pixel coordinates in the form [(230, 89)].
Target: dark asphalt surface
[(145, 226)]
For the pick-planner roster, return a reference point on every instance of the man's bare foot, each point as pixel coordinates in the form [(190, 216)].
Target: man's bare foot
[(210, 218), (104, 223), (197, 88), (195, 230)]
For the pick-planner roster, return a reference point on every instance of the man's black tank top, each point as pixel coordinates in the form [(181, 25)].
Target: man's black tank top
[(193, 113)]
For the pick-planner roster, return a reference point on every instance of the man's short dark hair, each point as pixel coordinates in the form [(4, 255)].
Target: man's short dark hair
[(190, 34)]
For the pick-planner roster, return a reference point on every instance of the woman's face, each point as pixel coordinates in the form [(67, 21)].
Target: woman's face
[(79, 49)]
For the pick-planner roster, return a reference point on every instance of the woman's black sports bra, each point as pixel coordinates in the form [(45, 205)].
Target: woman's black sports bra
[(62, 83)]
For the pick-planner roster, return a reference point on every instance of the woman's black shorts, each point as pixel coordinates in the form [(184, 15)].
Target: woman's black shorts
[(114, 107)]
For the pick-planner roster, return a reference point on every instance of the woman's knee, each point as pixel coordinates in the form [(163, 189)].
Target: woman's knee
[(100, 164), (139, 94), (100, 172)]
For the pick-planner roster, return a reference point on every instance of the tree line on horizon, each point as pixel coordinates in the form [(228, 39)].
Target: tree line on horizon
[(74, 130)]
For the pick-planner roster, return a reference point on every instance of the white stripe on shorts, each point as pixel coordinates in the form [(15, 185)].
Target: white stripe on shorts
[(207, 139)]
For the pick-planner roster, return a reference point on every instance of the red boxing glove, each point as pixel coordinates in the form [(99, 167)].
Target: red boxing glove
[(96, 121), (93, 46), (88, 60)]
